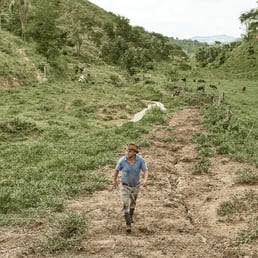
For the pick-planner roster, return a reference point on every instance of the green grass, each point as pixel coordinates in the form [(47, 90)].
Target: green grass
[(237, 138), (17, 65), (248, 201), (56, 137), (65, 234), (54, 142), (246, 176), (201, 166), (247, 235)]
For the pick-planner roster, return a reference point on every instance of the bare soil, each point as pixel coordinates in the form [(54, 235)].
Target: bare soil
[(176, 214)]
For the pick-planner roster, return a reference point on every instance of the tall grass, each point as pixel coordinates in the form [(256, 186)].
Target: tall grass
[(237, 138)]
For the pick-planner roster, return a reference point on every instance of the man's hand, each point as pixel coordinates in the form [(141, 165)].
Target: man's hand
[(115, 182), (144, 184), (146, 174)]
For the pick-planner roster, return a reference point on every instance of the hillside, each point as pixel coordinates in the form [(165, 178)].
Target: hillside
[(70, 85), (243, 62), (65, 37)]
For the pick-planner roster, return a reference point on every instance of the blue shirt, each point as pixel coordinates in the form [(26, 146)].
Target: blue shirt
[(131, 173)]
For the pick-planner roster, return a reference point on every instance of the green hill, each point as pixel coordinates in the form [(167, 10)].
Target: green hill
[(63, 37), (243, 60)]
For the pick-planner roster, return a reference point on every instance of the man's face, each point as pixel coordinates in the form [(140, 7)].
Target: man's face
[(129, 153)]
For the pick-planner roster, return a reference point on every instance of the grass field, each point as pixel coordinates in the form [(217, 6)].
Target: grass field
[(57, 137)]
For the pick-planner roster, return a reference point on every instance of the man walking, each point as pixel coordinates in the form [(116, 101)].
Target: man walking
[(131, 165)]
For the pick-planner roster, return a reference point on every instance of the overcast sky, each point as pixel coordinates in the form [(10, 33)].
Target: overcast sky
[(183, 18)]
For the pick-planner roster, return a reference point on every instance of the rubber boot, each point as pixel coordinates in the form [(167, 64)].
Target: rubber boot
[(131, 214), (128, 222)]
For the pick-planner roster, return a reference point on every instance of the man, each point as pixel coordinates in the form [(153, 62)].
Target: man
[(131, 165)]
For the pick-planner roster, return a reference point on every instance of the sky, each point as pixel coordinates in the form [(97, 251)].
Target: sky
[(183, 19)]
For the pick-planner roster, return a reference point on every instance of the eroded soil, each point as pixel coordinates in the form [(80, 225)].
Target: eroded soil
[(176, 214)]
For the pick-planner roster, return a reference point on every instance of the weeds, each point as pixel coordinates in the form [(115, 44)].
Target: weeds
[(248, 235), (202, 167), (247, 201), (204, 147), (225, 208), (236, 138), (168, 139), (67, 234), (246, 176), (18, 129)]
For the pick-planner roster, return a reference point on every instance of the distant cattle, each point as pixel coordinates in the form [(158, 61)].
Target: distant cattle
[(201, 88), (183, 79), (78, 69), (81, 78), (201, 80), (176, 92), (244, 89), (213, 86)]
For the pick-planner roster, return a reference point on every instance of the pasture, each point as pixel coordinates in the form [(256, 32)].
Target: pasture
[(57, 139)]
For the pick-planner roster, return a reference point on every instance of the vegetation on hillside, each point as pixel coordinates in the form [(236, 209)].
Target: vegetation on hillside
[(66, 33), (188, 45), (238, 58)]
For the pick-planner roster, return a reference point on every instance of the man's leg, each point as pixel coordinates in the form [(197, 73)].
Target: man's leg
[(133, 198), (125, 192)]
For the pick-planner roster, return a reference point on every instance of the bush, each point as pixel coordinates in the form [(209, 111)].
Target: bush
[(67, 234), (246, 176)]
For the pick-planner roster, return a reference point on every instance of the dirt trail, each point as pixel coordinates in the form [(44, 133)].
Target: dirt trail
[(176, 215)]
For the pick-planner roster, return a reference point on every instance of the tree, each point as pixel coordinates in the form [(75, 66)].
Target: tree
[(79, 25), (44, 29), (250, 20), (135, 57), (23, 8), (123, 27), (172, 75), (2, 2)]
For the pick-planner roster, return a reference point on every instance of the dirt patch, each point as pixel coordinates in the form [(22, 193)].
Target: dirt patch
[(11, 83), (176, 215), (40, 76)]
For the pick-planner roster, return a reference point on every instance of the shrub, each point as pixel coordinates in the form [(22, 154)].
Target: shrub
[(67, 234), (246, 176), (202, 166)]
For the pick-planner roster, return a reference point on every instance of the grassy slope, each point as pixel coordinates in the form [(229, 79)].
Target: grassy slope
[(55, 136), (19, 61), (242, 61)]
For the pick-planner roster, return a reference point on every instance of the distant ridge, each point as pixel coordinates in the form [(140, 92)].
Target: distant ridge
[(212, 39)]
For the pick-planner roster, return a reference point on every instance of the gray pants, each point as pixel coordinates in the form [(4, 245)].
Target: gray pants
[(129, 196)]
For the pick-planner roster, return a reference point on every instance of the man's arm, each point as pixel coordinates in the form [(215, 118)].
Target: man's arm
[(115, 175), (145, 178)]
